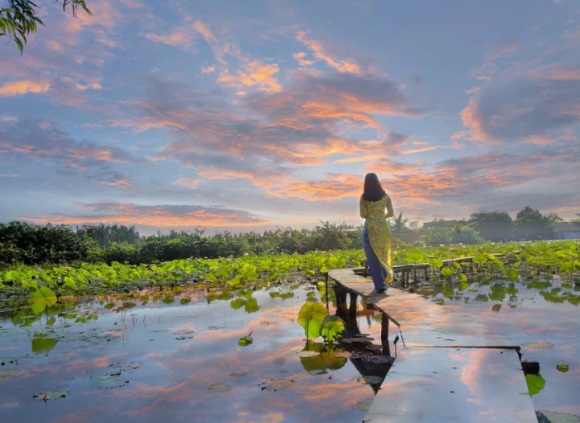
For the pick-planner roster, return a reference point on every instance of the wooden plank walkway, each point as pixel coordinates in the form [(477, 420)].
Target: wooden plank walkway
[(452, 368)]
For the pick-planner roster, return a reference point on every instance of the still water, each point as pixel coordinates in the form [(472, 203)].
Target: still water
[(175, 356)]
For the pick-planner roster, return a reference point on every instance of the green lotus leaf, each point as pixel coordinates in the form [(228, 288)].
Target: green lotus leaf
[(563, 368), (246, 340), (535, 383), (310, 317), (331, 328), (41, 343), (43, 295)]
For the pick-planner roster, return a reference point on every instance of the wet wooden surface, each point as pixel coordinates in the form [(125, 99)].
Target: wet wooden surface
[(452, 367)]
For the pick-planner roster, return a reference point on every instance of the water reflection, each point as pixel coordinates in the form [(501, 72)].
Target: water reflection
[(537, 312), (372, 362), (176, 355)]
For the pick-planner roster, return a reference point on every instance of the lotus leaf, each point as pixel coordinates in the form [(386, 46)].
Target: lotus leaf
[(310, 317), (535, 383), (246, 340), (331, 328)]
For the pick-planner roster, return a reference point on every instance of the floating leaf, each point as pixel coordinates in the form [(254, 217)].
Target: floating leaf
[(246, 340), (219, 387), (41, 343), (535, 383), (563, 368), (276, 384), (50, 395), (310, 317), (110, 380), (538, 345)]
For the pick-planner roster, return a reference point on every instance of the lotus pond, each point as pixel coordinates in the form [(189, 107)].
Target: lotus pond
[(174, 355), (193, 349)]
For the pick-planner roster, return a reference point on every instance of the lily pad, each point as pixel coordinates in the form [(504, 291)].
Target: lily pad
[(535, 383), (219, 387), (538, 345), (246, 340), (276, 384), (50, 395), (310, 317), (132, 365), (563, 368), (109, 380)]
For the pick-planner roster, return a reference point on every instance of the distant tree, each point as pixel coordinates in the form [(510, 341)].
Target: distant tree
[(532, 225), (554, 218), (435, 235), (107, 234), (493, 226), (19, 18), (400, 230), (465, 235)]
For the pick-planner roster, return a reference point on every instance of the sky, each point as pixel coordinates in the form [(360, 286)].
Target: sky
[(251, 115)]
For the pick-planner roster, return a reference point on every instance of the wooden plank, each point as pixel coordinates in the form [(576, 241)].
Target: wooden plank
[(424, 323), (453, 368), (453, 385)]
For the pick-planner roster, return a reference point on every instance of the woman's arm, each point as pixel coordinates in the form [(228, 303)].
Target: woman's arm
[(390, 212), (363, 208)]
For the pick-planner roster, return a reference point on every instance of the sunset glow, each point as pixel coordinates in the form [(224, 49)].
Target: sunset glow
[(253, 115)]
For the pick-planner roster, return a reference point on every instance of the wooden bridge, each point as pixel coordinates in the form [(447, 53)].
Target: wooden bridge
[(451, 369)]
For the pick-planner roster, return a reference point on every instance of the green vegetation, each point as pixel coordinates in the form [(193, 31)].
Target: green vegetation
[(23, 243)]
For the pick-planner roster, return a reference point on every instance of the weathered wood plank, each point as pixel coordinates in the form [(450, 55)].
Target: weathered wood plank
[(453, 367)]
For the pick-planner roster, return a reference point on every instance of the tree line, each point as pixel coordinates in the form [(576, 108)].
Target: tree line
[(21, 242)]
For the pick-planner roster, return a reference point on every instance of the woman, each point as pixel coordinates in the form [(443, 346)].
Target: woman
[(376, 232)]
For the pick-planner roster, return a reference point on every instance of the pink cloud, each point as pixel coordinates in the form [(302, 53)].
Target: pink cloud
[(22, 87)]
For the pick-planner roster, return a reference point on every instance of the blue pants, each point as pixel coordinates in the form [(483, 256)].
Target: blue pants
[(378, 273)]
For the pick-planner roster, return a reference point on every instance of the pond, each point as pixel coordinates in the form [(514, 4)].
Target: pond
[(540, 314), (184, 354), (175, 355)]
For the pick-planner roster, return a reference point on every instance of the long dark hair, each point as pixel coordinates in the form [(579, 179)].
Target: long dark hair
[(373, 191)]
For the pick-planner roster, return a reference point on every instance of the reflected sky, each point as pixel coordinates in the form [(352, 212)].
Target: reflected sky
[(182, 363), (531, 315)]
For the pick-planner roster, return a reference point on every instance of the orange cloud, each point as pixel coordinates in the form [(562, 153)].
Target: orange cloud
[(302, 61), (157, 217), (23, 87), (343, 66), (253, 73), (180, 36), (473, 120)]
